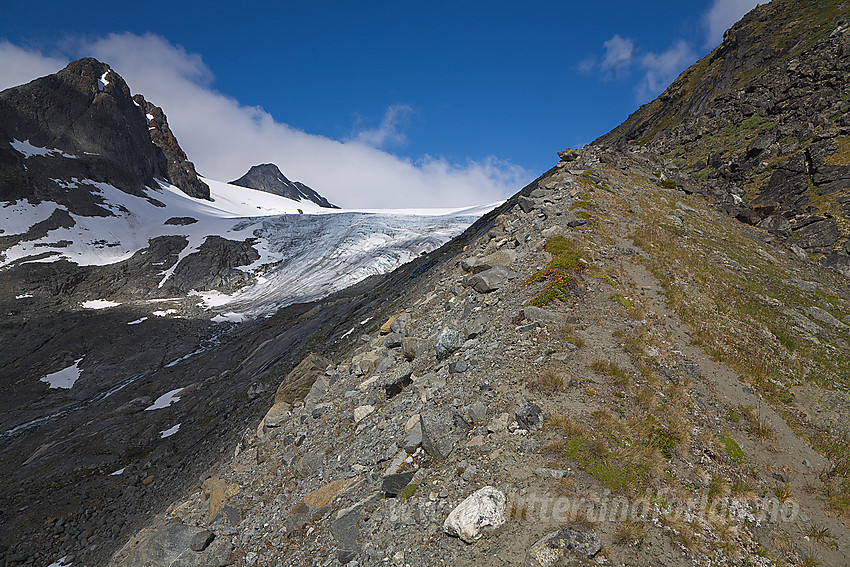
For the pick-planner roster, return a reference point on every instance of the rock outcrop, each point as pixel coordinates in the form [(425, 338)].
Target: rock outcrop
[(267, 177), (82, 123), (762, 125)]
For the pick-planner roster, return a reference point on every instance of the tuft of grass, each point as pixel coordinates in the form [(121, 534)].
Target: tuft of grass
[(717, 488), (645, 398), (549, 381), (742, 489), (567, 425), (620, 375), (782, 491), (757, 425), (630, 533), (821, 534)]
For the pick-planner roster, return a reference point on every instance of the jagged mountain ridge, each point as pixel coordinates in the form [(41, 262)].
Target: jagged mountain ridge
[(82, 123), (761, 124), (267, 177)]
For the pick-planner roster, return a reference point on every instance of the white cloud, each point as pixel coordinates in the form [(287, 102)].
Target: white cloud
[(19, 66), (619, 52), (225, 138), (661, 68), (721, 16), (389, 132)]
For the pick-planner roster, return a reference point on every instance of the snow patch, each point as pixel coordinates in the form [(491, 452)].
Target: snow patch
[(165, 400), (164, 312), (103, 81), (99, 304), (23, 296), (64, 378), (137, 321), (211, 299), (61, 562), (29, 150), (231, 317), (116, 473), (169, 432)]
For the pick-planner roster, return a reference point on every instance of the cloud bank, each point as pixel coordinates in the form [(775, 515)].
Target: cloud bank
[(225, 138)]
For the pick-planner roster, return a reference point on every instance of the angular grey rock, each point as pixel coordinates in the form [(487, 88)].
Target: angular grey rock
[(818, 234), (527, 204), (529, 415), (776, 224), (538, 314), (575, 221), (568, 155), (277, 415), (413, 440), (393, 484), (489, 280), (824, 316), (458, 367), (397, 380), (393, 340), (552, 473), (201, 540), (553, 547), (483, 510), (837, 262), (401, 324), (297, 383), (441, 429), (503, 257), (169, 546), (448, 341), (345, 530), (803, 284), (477, 412)]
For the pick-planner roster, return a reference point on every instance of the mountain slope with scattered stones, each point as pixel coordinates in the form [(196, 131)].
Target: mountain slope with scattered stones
[(568, 377), (607, 369)]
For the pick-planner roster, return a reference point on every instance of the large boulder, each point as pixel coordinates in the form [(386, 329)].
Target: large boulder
[(297, 383), (489, 280), (554, 547), (483, 510)]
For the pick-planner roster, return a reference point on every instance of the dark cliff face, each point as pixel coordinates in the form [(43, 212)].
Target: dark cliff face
[(764, 118), (95, 131), (181, 171), (267, 177)]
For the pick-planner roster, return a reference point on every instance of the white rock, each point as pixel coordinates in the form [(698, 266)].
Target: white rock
[(362, 411), (483, 509)]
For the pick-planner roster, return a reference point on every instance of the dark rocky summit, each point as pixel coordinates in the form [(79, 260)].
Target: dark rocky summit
[(267, 177), (86, 126)]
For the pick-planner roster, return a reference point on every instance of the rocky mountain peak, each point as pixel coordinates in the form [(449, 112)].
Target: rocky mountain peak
[(761, 125), (82, 123), (268, 177)]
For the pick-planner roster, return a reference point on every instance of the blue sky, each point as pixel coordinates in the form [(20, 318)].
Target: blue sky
[(404, 103)]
